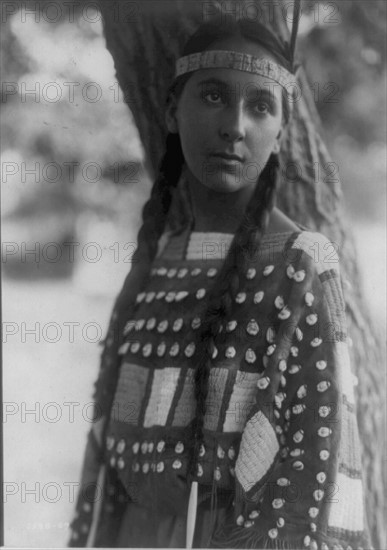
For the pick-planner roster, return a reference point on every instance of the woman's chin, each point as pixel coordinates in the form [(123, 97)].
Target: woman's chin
[(227, 183)]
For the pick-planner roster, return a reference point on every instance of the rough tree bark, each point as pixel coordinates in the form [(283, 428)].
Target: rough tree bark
[(144, 40)]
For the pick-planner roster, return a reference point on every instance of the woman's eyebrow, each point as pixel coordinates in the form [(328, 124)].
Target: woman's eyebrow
[(251, 90), (261, 93), (213, 80)]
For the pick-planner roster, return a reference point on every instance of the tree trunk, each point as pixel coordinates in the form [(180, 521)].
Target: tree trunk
[(144, 40)]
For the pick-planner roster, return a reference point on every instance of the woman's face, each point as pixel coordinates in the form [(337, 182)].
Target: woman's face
[(229, 122)]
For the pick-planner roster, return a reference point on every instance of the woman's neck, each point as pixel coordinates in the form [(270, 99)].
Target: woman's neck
[(214, 211)]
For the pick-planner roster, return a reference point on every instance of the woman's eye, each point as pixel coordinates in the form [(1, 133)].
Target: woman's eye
[(262, 107), (213, 97)]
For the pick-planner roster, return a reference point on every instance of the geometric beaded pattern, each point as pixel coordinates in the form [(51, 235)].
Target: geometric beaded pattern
[(216, 390), (258, 449), (208, 246), (164, 385), (323, 252), (346, 378), (349, 447), (130, 393), (274, 376), (241, 401), (185, 407), (346, 511), (240, 61)]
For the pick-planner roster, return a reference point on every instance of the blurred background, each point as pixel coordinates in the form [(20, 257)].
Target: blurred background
[(73, 186)]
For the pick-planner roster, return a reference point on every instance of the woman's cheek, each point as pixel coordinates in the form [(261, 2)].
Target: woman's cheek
[(192, 155)]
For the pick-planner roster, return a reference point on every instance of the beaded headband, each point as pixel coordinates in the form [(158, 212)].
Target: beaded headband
[(227, 59)]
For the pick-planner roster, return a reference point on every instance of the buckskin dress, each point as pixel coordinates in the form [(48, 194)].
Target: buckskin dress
[(280, 464)]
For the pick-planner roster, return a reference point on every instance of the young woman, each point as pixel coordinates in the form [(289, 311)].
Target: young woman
[(225, 401)]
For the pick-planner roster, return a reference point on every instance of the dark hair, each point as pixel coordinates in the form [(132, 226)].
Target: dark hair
[(247, 239)]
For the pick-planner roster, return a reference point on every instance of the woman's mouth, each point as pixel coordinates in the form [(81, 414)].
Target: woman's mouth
[(228, 158)]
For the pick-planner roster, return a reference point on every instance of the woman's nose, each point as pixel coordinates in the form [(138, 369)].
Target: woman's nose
[(233, 123)]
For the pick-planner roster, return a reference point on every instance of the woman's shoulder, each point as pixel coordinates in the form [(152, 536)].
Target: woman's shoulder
[(280, 223), (313, 245), (304, 265)]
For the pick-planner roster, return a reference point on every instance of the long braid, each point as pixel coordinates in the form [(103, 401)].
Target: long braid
[(154, 217), (155, 211), (247, 240)]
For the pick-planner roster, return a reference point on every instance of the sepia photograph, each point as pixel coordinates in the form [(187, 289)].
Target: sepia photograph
[(193, 206)]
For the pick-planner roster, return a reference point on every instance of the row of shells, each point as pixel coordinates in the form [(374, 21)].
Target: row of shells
[(145, 447), (240, 298), (230, 351), (176, 325), (250, 274)]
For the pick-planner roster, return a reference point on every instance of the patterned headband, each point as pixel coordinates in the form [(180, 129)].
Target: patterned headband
[(219, 59)]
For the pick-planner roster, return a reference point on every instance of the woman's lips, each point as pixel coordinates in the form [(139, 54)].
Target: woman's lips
[(228, 157), (226, 163)]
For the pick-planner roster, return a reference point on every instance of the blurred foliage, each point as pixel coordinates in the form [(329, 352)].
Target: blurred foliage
[(68, 136), (346, 66), (93, 145)]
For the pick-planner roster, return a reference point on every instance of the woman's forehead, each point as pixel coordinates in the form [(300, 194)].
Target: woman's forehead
[(234, 80)]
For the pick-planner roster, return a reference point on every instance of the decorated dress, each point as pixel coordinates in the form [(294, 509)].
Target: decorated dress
[(280, 463)]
